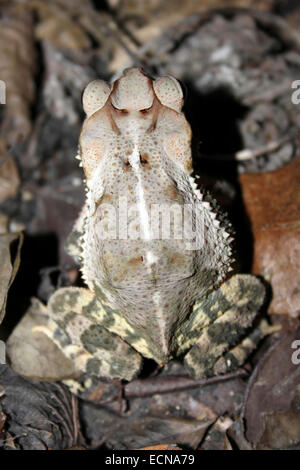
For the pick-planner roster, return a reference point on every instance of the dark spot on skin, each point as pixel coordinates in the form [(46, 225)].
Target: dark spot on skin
[(126, 164), (93, 366), (214, 303), (90, 309), (225, 332), (250, 291), (62, 337), (121, 368), (194, 335), (256, 335), (177, 259), (93, 307), (197, 362), (60, 304), (135, 262), (64, 321), (69, 317), (96, 337)]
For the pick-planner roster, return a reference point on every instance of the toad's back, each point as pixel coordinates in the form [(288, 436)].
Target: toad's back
[(151, 243)]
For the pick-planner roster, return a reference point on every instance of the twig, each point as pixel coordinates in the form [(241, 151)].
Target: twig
[(250, 154), (112, 28), (141, 388)]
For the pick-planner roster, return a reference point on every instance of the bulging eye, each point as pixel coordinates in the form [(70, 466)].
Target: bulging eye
[(169, 92), (95, 96)]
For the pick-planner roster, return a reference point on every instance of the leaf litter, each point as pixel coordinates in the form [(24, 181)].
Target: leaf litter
[(235, 88)]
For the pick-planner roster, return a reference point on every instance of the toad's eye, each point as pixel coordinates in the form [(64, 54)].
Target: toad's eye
[(169, 92), (95, 96), (146, 110)]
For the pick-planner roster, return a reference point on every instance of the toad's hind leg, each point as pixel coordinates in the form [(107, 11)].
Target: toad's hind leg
[(223, 340), (237, 355), (91, 347)]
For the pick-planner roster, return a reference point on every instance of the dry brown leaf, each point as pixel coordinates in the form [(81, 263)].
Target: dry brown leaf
[(145, 431), (9, 265), (147, 20), (9, 179), (271, 409), (216, 438), (163, 419), (39, 416), (17, 57), (59, 24), (158, 8), (272, 203), (32, 354), (70, 25), (183, 405), (4, 224)]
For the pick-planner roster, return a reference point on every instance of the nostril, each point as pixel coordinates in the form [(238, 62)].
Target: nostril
[(144, 159), (125, 163)]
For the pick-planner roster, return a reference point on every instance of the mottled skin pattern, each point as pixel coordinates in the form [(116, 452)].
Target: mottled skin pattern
[(149, 294)]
